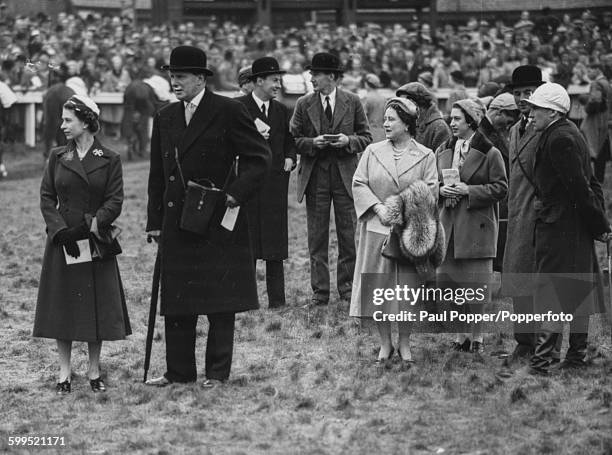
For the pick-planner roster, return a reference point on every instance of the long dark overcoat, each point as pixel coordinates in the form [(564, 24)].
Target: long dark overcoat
[(519, 256), (569, 215), (212, 273), (267, 210), (82, 302)]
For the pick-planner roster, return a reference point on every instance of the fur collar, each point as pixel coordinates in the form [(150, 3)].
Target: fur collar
[(479, 142)]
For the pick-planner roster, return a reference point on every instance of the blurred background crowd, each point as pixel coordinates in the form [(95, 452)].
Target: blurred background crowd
[(108, 52)]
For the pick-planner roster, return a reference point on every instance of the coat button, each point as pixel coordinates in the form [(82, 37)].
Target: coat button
[(170, 204), (171, 178)]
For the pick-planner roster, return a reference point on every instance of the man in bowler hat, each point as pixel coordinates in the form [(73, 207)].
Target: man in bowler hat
[(267, 211), (330, 129), (519, 257), (199, 137)]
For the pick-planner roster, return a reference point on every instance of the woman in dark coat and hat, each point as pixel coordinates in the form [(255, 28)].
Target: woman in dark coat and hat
[(81, 192)]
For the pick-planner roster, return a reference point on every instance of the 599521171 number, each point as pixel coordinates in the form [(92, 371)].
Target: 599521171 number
[(36, 441)]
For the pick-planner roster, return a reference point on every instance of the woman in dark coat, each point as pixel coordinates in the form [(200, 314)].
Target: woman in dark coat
[(81, 192), (470, 213)]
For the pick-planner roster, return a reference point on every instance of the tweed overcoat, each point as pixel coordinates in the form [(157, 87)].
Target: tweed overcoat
[(378, 176), (519, 255), (432, 130), (570, 214), (267, 210), (473, 222), (212, 273), (81, 302), (349, 118)]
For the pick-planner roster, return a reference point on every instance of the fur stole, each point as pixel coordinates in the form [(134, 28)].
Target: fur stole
[(413, 215)]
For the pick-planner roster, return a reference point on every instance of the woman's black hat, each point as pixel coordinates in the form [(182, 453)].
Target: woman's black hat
[(326, 63), (525, 76), (188, 58), (265, 66)]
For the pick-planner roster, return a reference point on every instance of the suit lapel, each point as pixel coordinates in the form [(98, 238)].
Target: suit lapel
[(473, 161), (411, 158), (96, 158), (315, 110), (203, 115), (340, 109), (445, 159)]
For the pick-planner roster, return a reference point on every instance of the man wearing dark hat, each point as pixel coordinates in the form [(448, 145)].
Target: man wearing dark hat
[(519, 256), (267, 211), (330, 129), (198, 139)]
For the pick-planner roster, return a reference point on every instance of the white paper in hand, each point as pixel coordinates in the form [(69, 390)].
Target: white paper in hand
[(261, 126), (229, 219), (450, 176), (85, 255)]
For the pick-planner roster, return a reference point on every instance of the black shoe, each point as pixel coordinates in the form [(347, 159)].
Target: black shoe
[(319, 302), (63, 388), (570, 365), (462, 347), (97, 385), (212, 383)]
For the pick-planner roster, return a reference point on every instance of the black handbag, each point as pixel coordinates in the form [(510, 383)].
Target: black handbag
[(202, 198), (105, 245)]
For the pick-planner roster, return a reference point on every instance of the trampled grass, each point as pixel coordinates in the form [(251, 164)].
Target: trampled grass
[(303, 379)]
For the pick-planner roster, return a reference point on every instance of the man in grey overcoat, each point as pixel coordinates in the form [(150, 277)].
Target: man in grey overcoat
[(519, 256), (330, 130), (199, 138)]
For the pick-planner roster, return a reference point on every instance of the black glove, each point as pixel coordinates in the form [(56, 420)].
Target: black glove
[(72, 234), (72, 249)]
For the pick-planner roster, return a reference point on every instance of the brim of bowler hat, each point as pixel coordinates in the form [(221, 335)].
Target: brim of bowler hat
[(187, 68), (266, 73), (319, 68), (525, 84)]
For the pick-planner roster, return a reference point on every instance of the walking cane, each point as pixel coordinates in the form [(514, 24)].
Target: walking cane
[(609, 308), (152, 314)]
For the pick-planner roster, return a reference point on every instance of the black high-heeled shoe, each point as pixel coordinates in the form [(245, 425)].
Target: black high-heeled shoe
[(405, 363), (63, 388), (97, 385)]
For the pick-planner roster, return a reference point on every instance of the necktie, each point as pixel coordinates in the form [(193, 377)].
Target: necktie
[(328, 110), (263, 110), (522, 126), (189, 110)]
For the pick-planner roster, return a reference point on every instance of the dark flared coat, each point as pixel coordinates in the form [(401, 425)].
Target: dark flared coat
[(211, 273), (267, 210), (569, 215), (82, 302)]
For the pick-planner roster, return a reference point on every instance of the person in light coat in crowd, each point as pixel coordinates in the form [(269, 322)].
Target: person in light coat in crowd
[(469, 208), (385, 169)]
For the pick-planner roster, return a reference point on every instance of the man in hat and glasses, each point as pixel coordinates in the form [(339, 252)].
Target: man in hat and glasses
[(198, 139), (330, 129), (518, 256), (267, 211)]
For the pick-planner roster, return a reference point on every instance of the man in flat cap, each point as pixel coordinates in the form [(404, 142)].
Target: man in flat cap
[(267, 210), (330, 129), (244, 80), (570, 215), (198, 139), (501, 114)]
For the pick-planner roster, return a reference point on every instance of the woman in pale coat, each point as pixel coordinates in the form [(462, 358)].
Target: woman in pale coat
[(385, 169)]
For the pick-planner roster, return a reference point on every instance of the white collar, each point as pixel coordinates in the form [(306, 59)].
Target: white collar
[(332, 98), (259, 102), (196, 99)]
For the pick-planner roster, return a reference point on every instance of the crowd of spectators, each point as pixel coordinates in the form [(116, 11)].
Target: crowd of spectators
[(108, 52)]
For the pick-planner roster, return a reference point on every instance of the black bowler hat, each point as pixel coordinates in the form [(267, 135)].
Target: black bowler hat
[(265, 66), (188, 58), (525, 76), (326, 63)]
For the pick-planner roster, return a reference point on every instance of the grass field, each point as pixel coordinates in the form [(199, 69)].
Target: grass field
[(303, 380)]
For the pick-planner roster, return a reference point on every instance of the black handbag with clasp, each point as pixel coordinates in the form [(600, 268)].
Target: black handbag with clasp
[(202, 198), (105, 245)]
